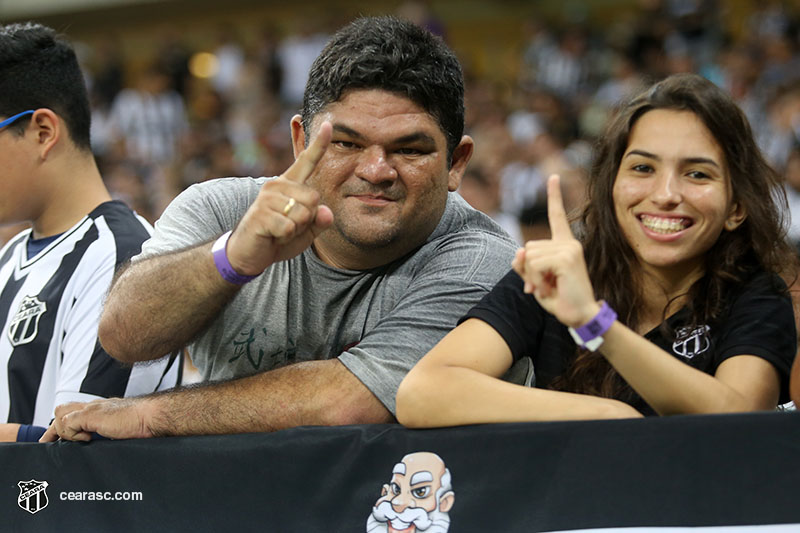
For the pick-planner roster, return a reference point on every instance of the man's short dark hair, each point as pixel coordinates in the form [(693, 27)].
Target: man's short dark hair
[(394, 55), (38, 69)]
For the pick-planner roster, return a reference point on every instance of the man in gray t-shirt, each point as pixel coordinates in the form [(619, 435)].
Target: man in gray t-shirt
[(305, 298)]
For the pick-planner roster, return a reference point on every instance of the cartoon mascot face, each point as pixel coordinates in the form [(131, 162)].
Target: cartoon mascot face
[(418, 498)]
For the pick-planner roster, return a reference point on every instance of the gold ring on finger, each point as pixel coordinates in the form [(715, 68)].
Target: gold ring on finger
[(289, 205)]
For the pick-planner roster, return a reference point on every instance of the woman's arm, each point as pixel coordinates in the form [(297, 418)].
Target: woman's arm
[(741, 383), (794, 388), (457, 383)]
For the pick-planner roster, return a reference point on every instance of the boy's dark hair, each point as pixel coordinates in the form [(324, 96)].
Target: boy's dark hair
[(393, 55), (38, 69)]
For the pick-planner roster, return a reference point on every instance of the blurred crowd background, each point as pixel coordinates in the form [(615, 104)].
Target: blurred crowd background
[(187, 90)]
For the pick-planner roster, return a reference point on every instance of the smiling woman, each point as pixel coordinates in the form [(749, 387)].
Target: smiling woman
[(672, 195), (671, 302)]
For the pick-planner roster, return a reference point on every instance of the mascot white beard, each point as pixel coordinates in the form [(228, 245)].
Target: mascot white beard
[(434, 521)]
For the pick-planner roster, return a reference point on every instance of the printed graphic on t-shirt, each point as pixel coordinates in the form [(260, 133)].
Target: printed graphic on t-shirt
[(690, 342), (247, 345)]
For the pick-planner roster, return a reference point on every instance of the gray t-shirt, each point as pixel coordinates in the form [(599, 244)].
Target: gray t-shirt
[(378, 322)]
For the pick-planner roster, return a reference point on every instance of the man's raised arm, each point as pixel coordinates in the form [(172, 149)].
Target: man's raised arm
[(158, 304)]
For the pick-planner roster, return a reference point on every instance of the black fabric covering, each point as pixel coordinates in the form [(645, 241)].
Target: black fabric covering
[(679, 471)]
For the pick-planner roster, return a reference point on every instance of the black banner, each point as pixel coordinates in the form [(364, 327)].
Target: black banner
[(722, 470)]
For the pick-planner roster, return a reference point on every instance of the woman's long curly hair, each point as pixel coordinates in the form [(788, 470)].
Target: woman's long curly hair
[(758, 244)]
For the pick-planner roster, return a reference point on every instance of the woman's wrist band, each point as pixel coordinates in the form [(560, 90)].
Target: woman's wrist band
[(590, 335), (220, 253)]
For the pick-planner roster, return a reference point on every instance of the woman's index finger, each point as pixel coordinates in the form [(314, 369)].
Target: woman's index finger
[(556, 215)]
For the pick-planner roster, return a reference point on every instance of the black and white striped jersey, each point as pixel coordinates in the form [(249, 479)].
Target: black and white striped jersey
[(50, 306)]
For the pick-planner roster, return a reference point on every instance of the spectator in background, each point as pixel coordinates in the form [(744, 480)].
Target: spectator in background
[(694, 35), (740, 67), (521, 181), (147, 124), (769, 19), (295, 54), (105, 81), (481, 190), (651, 27), (782, 128), (792, 186), (623, 82), (539, 41), (124, 183), (540, 133), (149, 119), (266, 54), (533, 222), (54, 277), (230, 61), (173, 59), (564, 68)]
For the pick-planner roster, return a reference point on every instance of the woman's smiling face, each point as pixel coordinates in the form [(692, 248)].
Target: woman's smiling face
[(672, 193)]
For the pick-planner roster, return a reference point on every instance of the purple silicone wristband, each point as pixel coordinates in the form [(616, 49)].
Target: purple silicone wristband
[(219, 251), (598, 325)]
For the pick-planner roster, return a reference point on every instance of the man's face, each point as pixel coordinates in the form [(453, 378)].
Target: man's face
[(385, 176)]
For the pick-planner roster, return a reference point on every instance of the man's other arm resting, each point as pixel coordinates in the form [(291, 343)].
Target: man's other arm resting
[(157, 305), (309, 393)]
